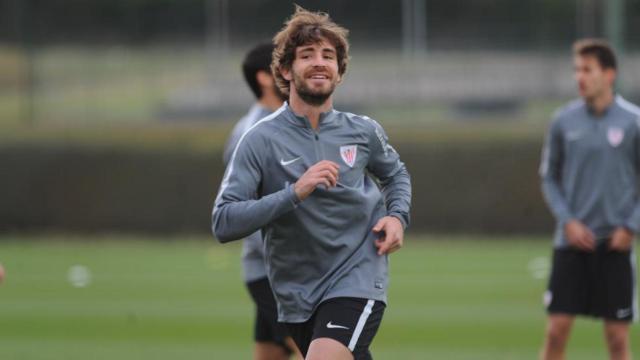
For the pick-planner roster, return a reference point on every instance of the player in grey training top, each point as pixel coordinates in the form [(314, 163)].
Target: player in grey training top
[(590, 166), (589, 171), (252, 253), (271, 339), (257, 73), (302, 175)]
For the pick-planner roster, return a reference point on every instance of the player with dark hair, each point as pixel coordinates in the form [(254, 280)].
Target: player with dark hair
[(589, 171), (271, 340)]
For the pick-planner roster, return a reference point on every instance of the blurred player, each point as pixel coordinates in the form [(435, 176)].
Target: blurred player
[(271, 340), (302, 176), (589, 174)]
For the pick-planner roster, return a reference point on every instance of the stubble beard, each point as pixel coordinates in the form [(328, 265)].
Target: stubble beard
[(309, 96)]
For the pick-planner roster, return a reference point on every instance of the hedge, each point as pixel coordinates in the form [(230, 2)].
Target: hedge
[(461, 187)]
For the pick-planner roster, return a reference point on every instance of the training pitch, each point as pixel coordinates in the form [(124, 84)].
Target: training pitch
[(119, 297)]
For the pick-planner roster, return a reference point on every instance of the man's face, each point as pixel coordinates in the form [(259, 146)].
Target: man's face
[(314, 72), (592, 80)]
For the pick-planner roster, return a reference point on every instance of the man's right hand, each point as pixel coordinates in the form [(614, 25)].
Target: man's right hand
[(579, 236), (324, 173)]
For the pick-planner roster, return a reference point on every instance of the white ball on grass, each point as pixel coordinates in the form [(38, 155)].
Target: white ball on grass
[(79, 276)]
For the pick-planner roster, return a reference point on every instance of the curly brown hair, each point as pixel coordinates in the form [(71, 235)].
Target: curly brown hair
[(304, 28)]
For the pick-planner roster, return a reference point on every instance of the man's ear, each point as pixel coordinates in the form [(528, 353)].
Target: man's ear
[(286, 73), (265, 79), (611, 75)]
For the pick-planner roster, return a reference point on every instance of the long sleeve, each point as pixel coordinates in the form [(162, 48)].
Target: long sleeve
[(395, 181), (550, 173), (238, 211), (239, 129), (231, 143), (633, 222)]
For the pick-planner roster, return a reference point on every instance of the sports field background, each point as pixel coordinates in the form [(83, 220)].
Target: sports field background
[(183, 298), (149, 84)]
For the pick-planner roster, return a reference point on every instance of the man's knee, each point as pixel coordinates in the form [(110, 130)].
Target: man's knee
[(270, 351), (617, 336), (558, 331)]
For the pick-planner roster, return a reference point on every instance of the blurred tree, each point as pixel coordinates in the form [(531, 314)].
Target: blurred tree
[(453, 24)]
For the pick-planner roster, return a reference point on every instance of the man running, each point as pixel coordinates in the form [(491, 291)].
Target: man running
[(305, 176)]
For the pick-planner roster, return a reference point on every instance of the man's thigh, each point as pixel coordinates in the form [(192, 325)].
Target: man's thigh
[(352, 322), (600, 284), (569, 283), (617, 293)]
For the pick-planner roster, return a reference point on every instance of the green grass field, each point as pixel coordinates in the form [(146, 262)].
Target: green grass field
[(183, 298)]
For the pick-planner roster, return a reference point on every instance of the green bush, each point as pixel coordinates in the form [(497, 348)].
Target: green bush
[(458, 186)]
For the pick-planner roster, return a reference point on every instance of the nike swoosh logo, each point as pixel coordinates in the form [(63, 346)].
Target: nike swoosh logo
[(285, 163), (332, 326), (623, 313)]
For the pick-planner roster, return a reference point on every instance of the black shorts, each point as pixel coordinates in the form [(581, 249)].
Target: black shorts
[(267, 328), (350, 321), (600, 284)]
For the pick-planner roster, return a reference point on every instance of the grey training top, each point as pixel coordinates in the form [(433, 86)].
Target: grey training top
[(253, 265), (322, 247), (589, 168)]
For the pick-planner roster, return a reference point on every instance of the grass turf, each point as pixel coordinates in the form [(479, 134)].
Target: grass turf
[(450, 298)]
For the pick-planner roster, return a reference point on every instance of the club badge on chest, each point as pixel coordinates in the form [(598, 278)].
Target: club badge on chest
[(348, 154), (615, 135)]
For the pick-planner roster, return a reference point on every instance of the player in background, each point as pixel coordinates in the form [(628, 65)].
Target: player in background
[(304, 176), (271, 339), (589, 171)]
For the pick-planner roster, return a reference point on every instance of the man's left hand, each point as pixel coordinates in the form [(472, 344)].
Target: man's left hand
[(621, 239), (393, 234)]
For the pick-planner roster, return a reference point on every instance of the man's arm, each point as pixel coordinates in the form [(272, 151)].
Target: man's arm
[(577, 234), (238, 211), (550, 173), (241, 126), (633, 222), (385, 165), (622, 236)]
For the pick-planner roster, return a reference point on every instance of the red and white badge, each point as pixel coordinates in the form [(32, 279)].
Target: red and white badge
[(615, 135), (348, 154)]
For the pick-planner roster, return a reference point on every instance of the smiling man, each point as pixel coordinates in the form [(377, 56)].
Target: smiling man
[(305, 176), (589, 179)]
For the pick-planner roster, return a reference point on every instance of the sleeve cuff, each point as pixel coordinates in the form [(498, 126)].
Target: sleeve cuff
[(401, 217), (563, 219), (292, 196)]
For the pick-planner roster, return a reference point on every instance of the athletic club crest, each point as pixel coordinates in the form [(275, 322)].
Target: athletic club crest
[(348, 154), (615, 135)]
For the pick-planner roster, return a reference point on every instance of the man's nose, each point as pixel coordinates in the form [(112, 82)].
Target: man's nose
[(319, 60)]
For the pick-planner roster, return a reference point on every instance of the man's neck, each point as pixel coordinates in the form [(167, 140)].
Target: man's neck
[(270, 101), (600, 103), (311, 112)]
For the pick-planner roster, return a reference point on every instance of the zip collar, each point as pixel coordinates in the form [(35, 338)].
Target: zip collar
[(606, 110), (326, 118)]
